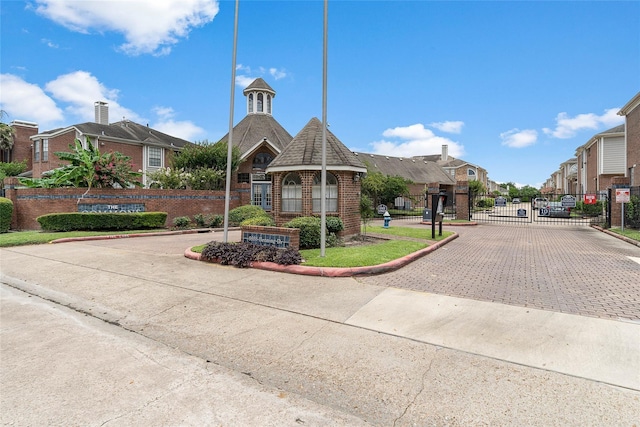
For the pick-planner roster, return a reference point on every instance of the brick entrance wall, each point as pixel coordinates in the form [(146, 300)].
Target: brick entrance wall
[(30, 203)]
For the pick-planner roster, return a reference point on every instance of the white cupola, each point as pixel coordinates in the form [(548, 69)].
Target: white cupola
[(259, 97)]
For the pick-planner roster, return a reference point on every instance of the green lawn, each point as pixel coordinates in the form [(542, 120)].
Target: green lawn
[(418, 233), (359, 256), (20, 238), (630, 233)]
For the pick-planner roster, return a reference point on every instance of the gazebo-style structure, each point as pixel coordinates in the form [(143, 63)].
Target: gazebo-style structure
[(283, 173), (296, 175)]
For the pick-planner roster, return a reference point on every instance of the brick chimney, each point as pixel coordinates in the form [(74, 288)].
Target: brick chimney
[(102, 112)]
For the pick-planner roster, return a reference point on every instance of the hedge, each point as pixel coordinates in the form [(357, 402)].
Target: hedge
[(242, 213), (102, 221), (6, 209)]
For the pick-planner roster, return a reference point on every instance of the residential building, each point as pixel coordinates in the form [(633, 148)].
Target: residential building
[(631, 113), (148, 148), (602, 158), (458, 169)]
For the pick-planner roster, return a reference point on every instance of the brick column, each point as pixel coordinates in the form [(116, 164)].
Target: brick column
[(10, 184), (462, 200)]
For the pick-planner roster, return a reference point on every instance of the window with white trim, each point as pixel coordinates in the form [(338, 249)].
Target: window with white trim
[(331, 192), (292, 193), (36, 152), (268, 104), (471, 172), (45, 150), (155, 157), (251, 103)]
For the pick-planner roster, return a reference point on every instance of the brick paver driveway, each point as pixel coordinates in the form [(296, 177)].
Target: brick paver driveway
[(576, 270)]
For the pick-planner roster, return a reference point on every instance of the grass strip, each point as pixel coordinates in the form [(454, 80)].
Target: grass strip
[(360, 256), (20, 238), (417, 233)]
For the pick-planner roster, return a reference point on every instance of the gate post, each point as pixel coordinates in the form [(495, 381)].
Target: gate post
[(463, 202)]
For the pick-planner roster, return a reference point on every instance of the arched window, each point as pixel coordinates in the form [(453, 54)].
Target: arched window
[(268, 104), (259, 103), (331, 193), (262, 160), (251, 103), (292, 193)]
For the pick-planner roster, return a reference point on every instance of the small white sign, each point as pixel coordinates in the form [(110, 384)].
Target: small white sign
[(623, 195), (382, 209)]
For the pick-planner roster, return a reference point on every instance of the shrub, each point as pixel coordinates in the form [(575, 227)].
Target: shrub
[(264, 220), (590, 209), (632, 212), (485, 203), (6, 209), (102, 221), (309, 231), (241, 213), (12, 168), (181, 221), (242, 254), (216, 221), (334, 224), (201, 220)]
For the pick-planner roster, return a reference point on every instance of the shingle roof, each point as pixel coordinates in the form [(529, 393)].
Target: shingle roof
[(451, 162), (125, 130), (617, 129), (413, 168), (305, 152), (259, 84), (254, 128)]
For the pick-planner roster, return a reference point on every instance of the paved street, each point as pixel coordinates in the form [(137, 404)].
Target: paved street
[(130, 332)]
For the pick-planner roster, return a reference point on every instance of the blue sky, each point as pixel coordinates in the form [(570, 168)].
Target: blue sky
[(511, 86)]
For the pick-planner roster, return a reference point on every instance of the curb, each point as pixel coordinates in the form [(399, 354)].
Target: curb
[(126, 236), (341, 272), (617, 236), (453, 224)]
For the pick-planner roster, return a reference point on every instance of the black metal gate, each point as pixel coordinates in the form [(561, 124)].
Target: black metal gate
[(566, 209), (411, 208)]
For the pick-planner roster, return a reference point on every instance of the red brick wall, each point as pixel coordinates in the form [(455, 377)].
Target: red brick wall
[(22, 144), (592, 170), (29, 203), (462, 200), (293, 233), (57, 143), (633, 144), (348, 200)]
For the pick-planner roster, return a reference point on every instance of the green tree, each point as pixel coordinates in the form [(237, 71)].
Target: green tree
[(384, 188), (7, 137), (366, 211), (88, 168), (528, 193), (476, 187), (206, 155)]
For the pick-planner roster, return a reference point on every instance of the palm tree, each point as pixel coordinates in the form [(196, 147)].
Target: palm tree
[(7, 135)]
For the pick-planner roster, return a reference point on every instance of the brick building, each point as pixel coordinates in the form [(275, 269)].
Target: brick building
[(631, 113), (600, 160), (148, 148)]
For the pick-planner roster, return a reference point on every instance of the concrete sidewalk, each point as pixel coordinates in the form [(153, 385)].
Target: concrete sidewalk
[(382, 355)]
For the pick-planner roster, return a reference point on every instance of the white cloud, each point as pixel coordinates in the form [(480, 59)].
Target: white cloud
[(414, 140), (181, 129), (148, 26), (27, 101), (49, 43), (277, 74), (517, 138), (568, 127), (244, 81), (80, 89), (248, 75), (448, 126)]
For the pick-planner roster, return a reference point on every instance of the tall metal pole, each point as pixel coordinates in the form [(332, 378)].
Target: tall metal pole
[(227, 195), (323, 176)]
